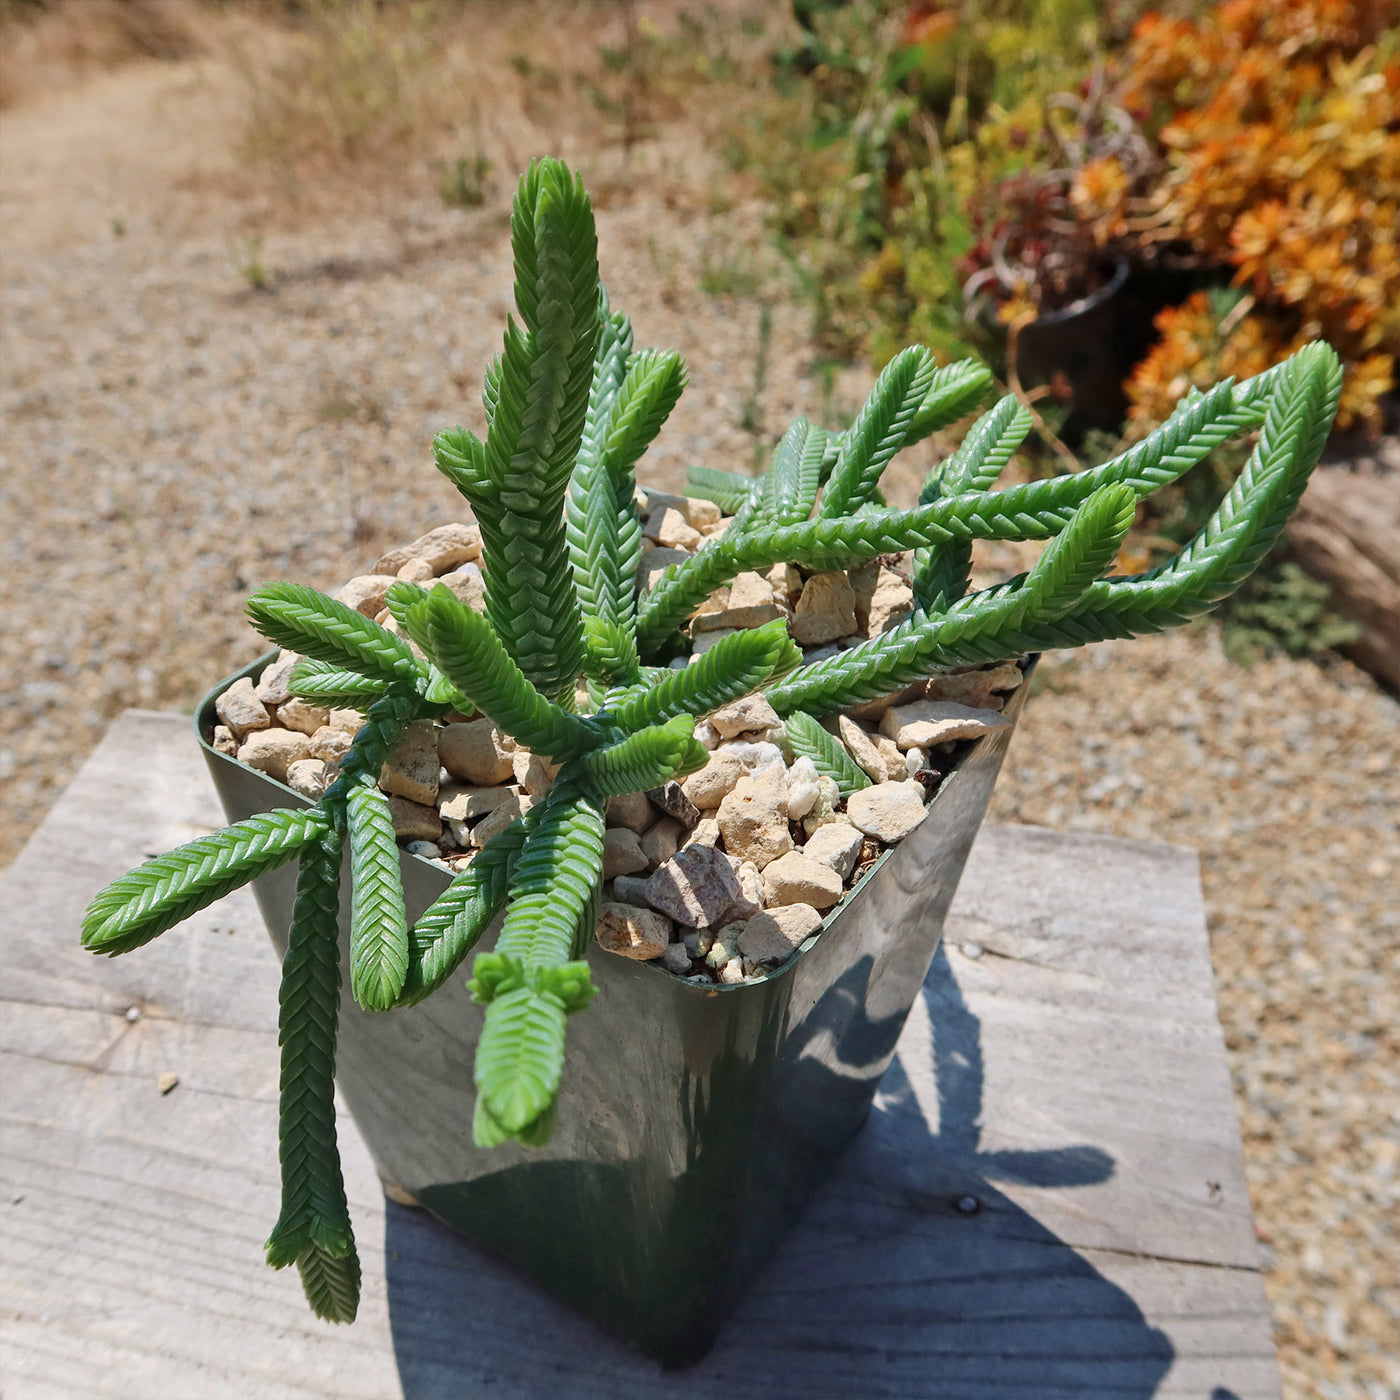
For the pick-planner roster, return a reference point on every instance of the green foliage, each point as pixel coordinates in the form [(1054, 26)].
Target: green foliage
[(1284, 609), (827, 752), (571, 406)]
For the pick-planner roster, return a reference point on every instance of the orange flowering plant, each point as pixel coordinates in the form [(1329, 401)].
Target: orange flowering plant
[(1280, 122)]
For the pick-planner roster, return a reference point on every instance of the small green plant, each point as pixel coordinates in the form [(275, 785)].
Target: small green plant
[(246, 253), (571, 662), (1282, 608), (464, 182)]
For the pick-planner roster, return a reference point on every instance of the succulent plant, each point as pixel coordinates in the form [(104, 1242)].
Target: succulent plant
[(571, 662)]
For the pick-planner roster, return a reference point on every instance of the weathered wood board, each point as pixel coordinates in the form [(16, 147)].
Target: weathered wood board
[(1070, 1079)]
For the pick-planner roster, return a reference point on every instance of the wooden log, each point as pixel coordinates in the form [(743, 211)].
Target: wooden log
[(1346, 532)]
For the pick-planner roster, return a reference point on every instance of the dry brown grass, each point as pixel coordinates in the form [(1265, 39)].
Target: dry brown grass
[(44, 48)]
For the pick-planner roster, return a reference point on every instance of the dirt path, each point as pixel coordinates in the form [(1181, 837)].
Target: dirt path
[(172, 438)]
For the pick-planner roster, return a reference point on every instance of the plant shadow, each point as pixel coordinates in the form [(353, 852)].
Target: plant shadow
[(910, 1274)]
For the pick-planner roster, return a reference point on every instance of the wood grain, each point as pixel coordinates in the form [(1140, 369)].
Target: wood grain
[(1070, 1080)]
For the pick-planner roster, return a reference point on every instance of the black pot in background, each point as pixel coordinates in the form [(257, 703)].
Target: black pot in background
[(694, 1121), (1095, 343)]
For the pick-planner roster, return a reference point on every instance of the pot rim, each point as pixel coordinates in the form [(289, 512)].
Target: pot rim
[(204, 709)]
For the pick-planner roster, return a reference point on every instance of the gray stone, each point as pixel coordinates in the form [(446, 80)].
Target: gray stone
[(797, 879), (622, 853), (241, 710), (662, 841), (473, 751), (631, 810), (413, 821), (697, 887), (633, 932), (654, 563), (670, 798), (676, 959), (887, 811), (836, 844), (776, 934), (629, 889)]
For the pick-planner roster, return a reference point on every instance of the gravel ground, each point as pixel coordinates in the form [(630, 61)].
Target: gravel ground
[(172, 438)]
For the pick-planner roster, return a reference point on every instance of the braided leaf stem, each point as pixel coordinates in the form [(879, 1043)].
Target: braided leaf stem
[(313, 1231)]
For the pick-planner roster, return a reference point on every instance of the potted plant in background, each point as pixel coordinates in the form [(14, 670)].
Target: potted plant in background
[(695, 687)]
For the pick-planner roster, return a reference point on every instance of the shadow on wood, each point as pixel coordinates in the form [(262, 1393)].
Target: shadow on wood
[(912, 1274)]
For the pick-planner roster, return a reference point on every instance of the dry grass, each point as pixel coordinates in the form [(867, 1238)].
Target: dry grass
[(47, 47)]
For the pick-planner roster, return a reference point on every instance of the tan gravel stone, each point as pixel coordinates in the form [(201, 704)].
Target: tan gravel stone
[(704, 833), (632, 810), (707, 787), (533, 772), (412, 768), (309, 777), (473, 752), (461, 804), (697, 512), (413, 821), (622, 853), (633, 932), (862, 748), (982, 690), (241, 710), (740, 716), (441, 549), (924, 723), (301, 715), (804, 788), (826, 610), (668, 528), (270, 751), (750, 604), (887, 811), (797, 879), (467, 586), (351, 721), (500, 817), (751, 882), (891, 603), (416, 571), (330, 743), (724, 946), (776, 934), (222, 740), (272, 687), (365, 593), (895, 767), (836, 844), (753, 817), (786, 582)]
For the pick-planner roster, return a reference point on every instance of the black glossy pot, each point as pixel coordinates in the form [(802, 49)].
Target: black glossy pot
[(693, 1122)]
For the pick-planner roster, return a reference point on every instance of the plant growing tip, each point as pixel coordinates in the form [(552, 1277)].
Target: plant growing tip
[(571, 407)]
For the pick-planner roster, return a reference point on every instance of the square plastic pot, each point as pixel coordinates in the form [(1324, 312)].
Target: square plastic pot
[(693, 1122)]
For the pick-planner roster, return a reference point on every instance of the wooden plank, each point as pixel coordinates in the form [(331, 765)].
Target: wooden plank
[(1071, 1079)]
